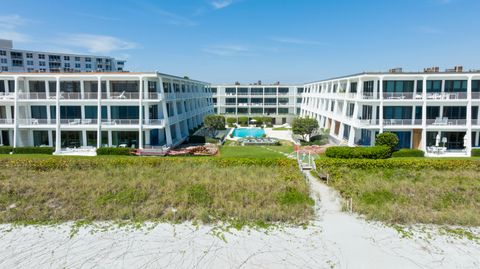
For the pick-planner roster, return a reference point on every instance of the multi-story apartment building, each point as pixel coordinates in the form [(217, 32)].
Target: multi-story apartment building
[(15, 60), (140, 110), (281, 102), (424, 109)]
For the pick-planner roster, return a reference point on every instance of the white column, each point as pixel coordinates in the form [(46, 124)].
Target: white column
[(58, 137), (168, 133), (380, 86), (84, 138), (82, 89), (351, 137), (140, 110), (99, 112), (468, 147), (50, 138), (15, 116), (423, 145)]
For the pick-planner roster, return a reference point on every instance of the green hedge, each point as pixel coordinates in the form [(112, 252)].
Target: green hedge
[(378, 152), (408, 153), (475, 152), (113, 151), (5, 149), (33, 150), (416, 164)]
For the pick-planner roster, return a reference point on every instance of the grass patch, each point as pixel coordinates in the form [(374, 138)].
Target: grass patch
[(281, 129), (406, 195), (52, 189), (249, 152)]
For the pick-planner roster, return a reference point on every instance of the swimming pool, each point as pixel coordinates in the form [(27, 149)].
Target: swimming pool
[(248, 132)]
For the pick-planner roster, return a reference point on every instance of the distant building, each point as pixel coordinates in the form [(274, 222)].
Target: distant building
[(281, 102), (15, 60)]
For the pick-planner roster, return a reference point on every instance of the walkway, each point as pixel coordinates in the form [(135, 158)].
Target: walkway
[(334, 240)]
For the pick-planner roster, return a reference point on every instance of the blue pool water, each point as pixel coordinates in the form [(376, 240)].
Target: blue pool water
[(248, 132)]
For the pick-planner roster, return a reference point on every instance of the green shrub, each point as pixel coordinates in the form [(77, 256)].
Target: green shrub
[(197, 139), (215, 122), (387, 139), (475, 152), (408, 153), (33, 150), (113, 151), (413, 164), (231, 121), (5, 149), (318, 140), (211, 140), (243, 121), (378, 152)]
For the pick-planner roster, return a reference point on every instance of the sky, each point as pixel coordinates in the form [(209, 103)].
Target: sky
[(223, 41)]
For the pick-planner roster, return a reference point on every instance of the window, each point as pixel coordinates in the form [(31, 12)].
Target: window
[(29, 55), (67, 65), (475, 85), (3, 61), (397, 112), (77, 65), (88, 66), (368, 86), (434, 85), (17, 62), (99, 60), (66, 58), (455, 86), (88, 59), (4, 68), (41, 63), (398, 86), (90, 112), (41, 56), (77, 59), (43, 70), (3, 53), (353, 87), (29, 62), (39, 112)]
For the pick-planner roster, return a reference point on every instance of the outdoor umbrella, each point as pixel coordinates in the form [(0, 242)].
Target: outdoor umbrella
[(437, 140)]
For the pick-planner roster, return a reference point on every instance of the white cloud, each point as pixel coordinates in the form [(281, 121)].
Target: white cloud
[(219, 4), (296, 41), (8, 28), (96, 43), (227, 50)]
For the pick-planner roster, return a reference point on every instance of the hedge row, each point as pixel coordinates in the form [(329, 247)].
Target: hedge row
[(378, 152), (58, 162), (475, 152), (6, 149), (408, 153), (416, 164), (113, 151)]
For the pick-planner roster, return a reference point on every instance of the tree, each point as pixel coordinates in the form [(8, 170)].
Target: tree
[(305, 127), (231, 121), (387, 139), (213, 123)]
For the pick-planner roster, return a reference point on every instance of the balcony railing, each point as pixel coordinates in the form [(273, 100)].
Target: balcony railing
[(402, 121), (446, 122), (121, 122), (154, 122), (78, 121), (6, 121), (399, 95), (475, 95), (447, 96), (36, 121)]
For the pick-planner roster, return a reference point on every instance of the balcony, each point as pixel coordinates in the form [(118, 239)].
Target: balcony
[(36, 121), (154, 122), (78, 121), (114, 122), (400, 95), (6, 121), (447, 96), (439, 121), (402, 122)]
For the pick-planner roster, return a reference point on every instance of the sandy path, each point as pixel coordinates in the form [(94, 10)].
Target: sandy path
[(334, 240)]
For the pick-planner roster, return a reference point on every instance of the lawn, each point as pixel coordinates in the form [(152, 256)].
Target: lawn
[(45, 189), (440, 191), (248, 152)]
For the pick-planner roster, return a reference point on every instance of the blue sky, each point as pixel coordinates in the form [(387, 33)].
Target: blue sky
[(222, 41)]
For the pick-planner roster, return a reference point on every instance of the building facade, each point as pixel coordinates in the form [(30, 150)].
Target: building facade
[(425, 110), (69, 110), (280, 102), (14, 60)]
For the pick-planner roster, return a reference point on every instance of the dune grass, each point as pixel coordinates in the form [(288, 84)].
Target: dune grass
[(39, 189), (248, 152), (406, 196)]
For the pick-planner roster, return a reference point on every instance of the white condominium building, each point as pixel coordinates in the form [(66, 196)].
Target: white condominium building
[(281, 102), (428, 110), (67, 110), (15, 60)]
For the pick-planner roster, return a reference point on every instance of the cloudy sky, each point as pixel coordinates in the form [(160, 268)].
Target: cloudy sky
[(222, 41)]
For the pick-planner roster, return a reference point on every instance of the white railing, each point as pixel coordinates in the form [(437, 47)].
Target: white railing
[(120, 122), (447, 95), (78, 121), (475, 95), (398, 95), (154, 122), (446, 121), (402, 122), (36, 121), (6, 121), (368, 122)]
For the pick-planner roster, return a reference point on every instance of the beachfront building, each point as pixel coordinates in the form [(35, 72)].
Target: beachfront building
[(16, 60), (437, 112), (280, 102), (72, 110)]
